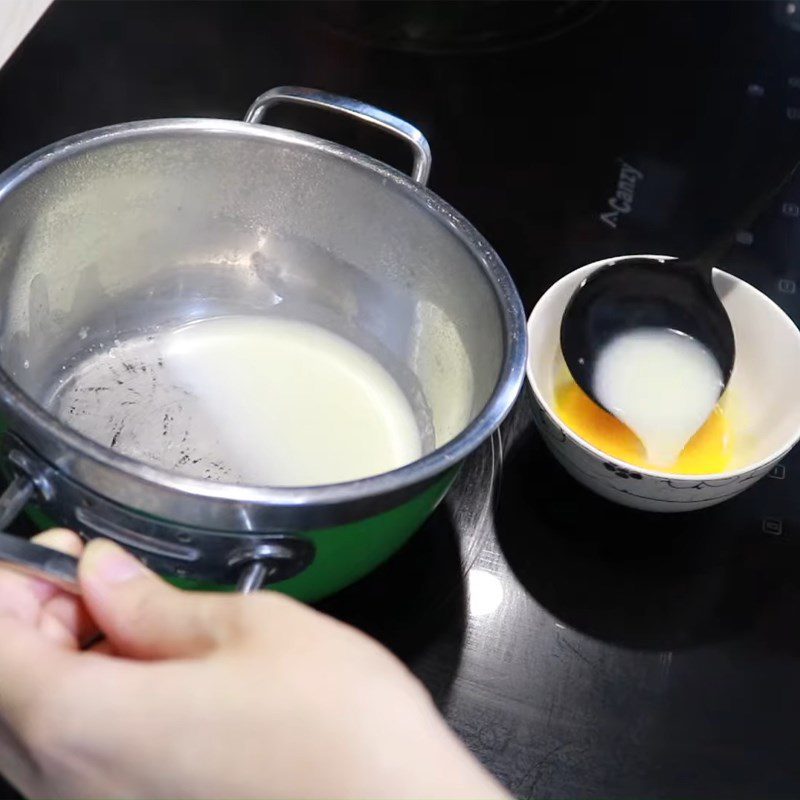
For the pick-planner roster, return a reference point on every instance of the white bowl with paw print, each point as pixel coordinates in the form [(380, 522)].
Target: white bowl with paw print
[(765, 387)]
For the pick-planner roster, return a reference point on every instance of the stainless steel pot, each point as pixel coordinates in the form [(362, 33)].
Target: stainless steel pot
[(117, 230)]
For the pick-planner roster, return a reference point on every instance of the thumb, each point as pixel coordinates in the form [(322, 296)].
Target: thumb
[(141, 615)]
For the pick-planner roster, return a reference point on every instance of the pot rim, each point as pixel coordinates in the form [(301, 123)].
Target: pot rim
[(508, 384)]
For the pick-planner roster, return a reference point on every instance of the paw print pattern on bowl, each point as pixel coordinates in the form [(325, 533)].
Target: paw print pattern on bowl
[(622, 472)]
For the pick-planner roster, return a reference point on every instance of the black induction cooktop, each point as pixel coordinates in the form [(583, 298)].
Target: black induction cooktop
[(580, 649)]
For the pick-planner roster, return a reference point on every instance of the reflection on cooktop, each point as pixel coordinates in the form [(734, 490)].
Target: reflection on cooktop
[(458, 26), (631, 578), (415, 604)]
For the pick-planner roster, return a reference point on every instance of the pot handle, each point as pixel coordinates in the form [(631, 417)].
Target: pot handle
[(29, 557), (61, 569), (40, 562), (353, 108), (257, 564)]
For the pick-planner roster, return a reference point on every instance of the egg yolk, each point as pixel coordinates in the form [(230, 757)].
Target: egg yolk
[(708, 451)]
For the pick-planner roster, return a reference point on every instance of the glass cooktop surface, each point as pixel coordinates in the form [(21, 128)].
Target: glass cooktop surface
[(580, 649)]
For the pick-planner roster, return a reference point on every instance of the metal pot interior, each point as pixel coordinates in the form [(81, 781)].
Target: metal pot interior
[(158, 224)]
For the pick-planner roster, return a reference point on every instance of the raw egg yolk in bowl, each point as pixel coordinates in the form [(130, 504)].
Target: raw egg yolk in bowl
[(709, 451)]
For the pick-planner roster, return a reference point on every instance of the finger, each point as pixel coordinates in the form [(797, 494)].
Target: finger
[(61, 539), (30, 665), (16, 764), (104, 647), (141, 615), (66, 622), (63, 617), (22, 596), (28, 660), (27, 657)]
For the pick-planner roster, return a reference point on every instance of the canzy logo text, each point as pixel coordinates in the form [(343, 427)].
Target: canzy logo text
[(622, 201)]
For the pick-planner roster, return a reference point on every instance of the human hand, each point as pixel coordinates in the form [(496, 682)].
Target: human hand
[(196, 695)]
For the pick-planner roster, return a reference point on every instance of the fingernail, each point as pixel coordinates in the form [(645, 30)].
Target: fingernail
[(109, 563)]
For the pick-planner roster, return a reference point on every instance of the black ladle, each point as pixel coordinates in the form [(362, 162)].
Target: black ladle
[(677, 293)]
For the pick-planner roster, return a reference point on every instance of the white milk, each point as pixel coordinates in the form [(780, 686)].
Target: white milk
[(245, 399), (662, 384)]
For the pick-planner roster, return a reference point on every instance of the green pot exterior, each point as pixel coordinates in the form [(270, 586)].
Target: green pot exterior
[(344, 553)]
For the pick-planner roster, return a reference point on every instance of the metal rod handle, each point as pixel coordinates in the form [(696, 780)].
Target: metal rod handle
[(62, 570), (353, 108), (28, 557), (14, 498), (40, 562), (252, 577)]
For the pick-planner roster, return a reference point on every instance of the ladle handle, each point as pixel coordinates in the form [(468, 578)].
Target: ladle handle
[(756, 163), (352, 108)]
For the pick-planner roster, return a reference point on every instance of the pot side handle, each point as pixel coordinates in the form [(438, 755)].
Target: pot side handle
[(40, 562), (60, 569), (353, 108), (28, 557), (267, 560)]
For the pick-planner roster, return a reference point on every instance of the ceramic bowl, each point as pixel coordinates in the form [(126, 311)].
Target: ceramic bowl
[(764, 391)]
